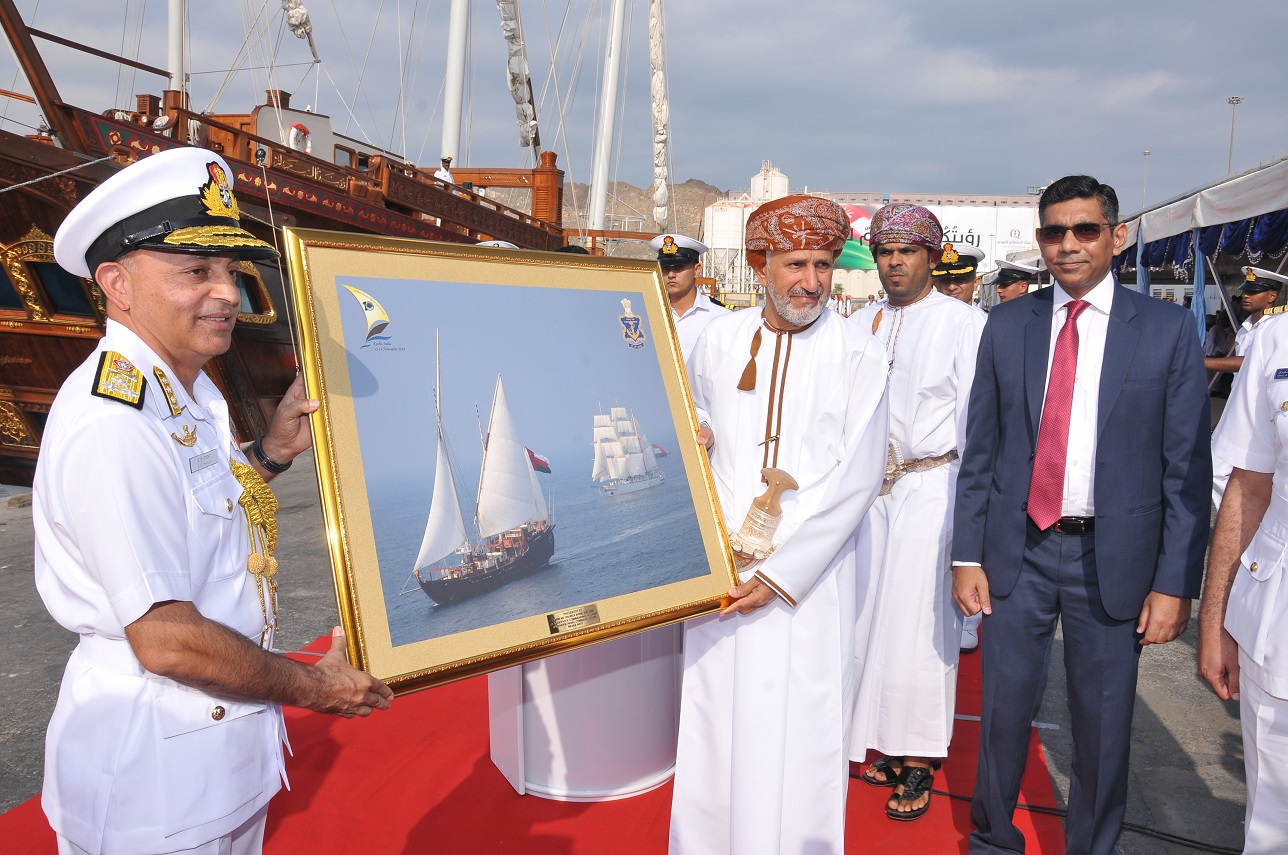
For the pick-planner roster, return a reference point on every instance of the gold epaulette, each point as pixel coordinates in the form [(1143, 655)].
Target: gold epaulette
[(118, 380), (1275, 310)]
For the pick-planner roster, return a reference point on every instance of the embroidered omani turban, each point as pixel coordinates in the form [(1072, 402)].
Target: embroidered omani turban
[(903, 223), (795, 222)]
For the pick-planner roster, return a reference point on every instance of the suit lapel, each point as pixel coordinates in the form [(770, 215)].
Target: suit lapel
[(1120, 348), (1037, 346)]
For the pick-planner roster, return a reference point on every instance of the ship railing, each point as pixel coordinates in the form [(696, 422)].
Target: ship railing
[(386, 182)]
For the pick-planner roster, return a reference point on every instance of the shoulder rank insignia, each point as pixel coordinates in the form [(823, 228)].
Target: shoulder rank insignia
[(119, 380), (1276, 310), (170, 397)]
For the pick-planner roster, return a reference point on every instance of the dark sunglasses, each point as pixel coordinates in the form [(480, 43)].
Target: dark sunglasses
[(1084, 232), (959, 279)]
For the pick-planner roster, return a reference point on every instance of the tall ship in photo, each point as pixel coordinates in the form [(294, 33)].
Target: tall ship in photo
[(624, 458), (516, 529)]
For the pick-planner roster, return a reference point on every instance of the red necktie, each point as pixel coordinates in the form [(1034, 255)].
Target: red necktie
[(1046, 489)]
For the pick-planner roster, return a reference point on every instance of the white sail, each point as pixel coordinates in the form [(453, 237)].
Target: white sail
[(634, 464), (619, 414), (650, 459), (600, 470), (445, 530), (508, 496)]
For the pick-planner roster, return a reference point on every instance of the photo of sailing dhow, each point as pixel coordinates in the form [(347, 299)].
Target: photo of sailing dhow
[(516, 528)]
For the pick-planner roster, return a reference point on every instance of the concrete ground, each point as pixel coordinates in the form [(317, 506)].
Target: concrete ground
[(1187, 758)]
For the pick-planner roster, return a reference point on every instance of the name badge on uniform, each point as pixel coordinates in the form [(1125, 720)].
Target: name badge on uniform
[(203, 461), (1281, 374)]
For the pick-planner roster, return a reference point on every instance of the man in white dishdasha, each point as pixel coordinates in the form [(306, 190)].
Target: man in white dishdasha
[(909, 630), (768, 682)]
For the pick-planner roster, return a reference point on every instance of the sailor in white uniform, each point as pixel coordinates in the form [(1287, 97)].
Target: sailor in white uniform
[(1259, 292), (679, 258), (155, 536), (1011, 279), (444, 171), (957, 274), (1243, 620)]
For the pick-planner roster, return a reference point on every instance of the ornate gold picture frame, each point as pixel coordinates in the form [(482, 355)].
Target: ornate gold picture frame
[(505, 452)]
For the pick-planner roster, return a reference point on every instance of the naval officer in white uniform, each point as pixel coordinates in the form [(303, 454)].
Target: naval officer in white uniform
[(155, 534), (679, 257), (1243, 640)]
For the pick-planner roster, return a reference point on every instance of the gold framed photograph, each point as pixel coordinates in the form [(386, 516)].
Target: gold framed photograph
[(505, 452)]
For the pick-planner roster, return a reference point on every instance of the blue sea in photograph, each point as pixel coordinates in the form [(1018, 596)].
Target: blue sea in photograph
[(605, 546)]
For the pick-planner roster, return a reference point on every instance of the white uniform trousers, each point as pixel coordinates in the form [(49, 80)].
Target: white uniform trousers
[(1265, 759), (248, 839)]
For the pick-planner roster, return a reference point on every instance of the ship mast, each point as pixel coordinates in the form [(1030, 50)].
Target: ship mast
[(607, 112), (454, 78), (175, 58)]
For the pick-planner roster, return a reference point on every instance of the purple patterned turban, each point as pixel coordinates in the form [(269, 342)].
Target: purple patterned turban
[(901, 222), (795, 222)]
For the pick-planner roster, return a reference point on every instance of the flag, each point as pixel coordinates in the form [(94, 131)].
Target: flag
[(659, 450), (539, 463)]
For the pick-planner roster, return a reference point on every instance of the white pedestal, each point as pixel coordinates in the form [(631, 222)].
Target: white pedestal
[(594, 724)]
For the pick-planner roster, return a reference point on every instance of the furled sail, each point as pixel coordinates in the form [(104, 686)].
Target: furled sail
[(508, 492), (445, 530), (661, 109), (517, 76)]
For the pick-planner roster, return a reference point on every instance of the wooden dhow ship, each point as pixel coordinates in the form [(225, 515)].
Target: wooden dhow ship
[(291, 170)]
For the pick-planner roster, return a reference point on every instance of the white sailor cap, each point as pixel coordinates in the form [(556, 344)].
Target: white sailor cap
[(958, 260), (676, 250), (499, 244), (1010, 272), (178, 200), (1256, 280)]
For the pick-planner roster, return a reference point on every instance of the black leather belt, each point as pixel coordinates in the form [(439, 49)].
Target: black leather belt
[(1075, 525)]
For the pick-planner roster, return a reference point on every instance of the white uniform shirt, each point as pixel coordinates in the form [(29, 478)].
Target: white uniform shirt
[(444, 174), (125, 517), (1253, 435), (1246, 332), (690, 325)]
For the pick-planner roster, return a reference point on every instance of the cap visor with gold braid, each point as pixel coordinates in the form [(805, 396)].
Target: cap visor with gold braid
[(178, 200)]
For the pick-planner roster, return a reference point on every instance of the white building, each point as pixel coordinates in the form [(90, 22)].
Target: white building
[(999, 225)]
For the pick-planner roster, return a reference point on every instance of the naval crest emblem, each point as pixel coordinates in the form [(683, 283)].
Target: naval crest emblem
[(632, 326)]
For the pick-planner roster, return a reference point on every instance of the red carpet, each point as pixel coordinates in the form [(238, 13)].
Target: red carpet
[(418, 779)]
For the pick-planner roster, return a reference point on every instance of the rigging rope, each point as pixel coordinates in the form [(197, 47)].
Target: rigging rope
[(56, 174)]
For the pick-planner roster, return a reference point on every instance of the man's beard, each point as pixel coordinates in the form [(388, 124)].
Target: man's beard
[(783, 305)]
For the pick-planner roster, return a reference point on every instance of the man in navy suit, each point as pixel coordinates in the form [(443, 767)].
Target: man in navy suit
[(1083, 497)]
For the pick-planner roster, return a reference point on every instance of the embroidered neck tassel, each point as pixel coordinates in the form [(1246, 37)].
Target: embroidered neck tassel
[(748, 380), (260, 505)]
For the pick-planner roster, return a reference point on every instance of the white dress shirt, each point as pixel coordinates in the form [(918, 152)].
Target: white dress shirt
[(1093, 327)]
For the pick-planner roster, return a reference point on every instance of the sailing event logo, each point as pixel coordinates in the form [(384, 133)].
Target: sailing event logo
[(374, 314), (632, 326)]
